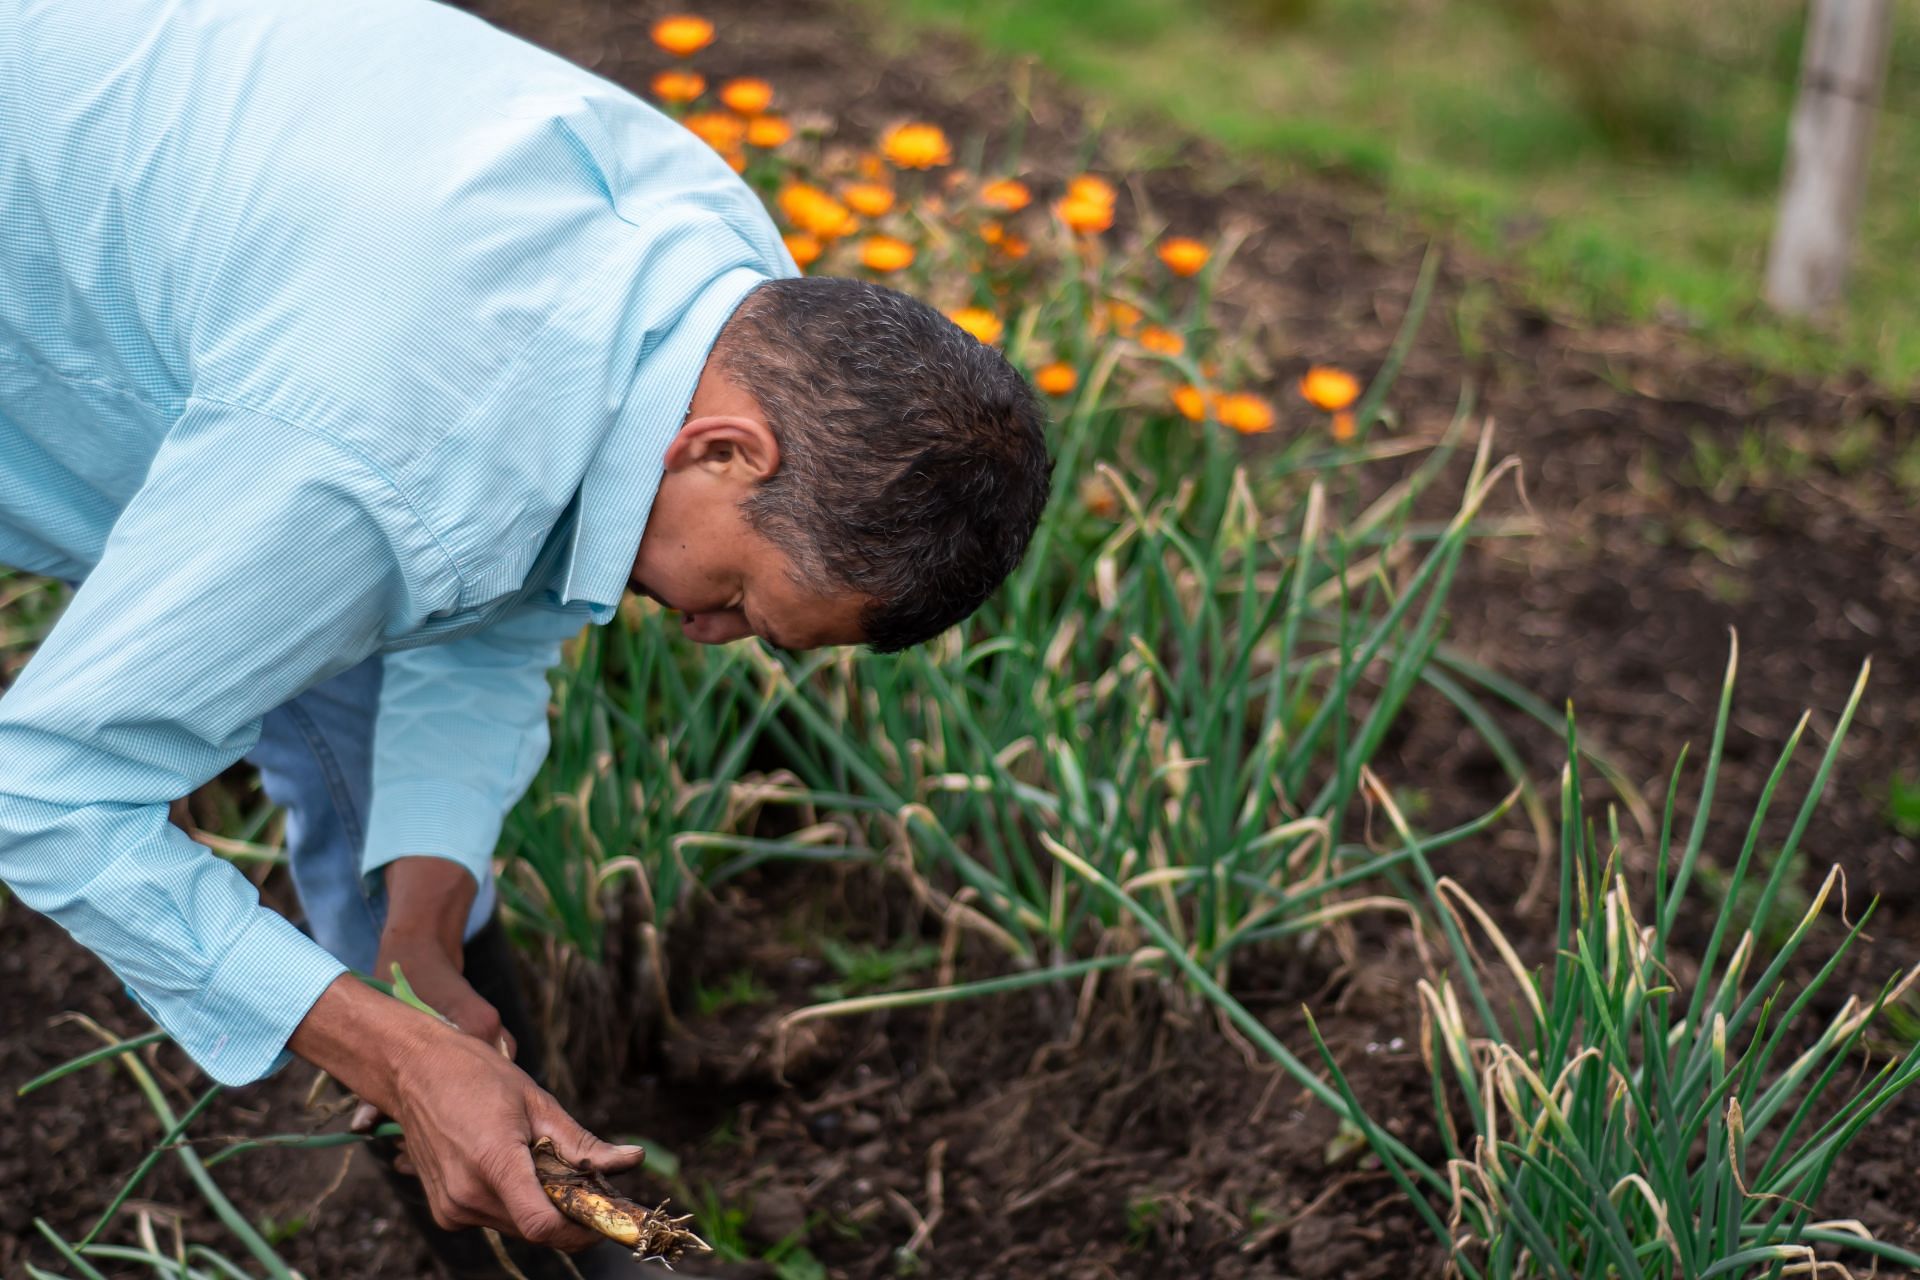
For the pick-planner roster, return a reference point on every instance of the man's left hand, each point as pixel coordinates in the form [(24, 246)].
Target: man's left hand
[(428, 900), (434, 971)]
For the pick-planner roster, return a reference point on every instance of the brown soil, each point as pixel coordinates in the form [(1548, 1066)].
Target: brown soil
[(1131, 1138)]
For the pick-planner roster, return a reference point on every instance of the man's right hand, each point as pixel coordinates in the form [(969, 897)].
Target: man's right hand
[(470, 1116)]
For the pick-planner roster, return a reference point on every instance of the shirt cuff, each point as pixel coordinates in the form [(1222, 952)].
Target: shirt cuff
[(430, 818), (260, 992)]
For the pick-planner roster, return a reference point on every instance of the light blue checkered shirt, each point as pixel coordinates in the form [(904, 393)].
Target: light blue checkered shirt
[(325, 330)]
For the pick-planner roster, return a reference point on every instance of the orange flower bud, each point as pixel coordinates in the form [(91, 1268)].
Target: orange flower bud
[(1056, 379), (717, 129), (1092, 189), (1088, 217), (979, 322), (1247, 414), (1329, 389), (768, 132), (1183, 256), (1006, 195), (816, 212), (1162, 342), (679, 86), (916, 146), (1343, 428), (884, 254), (804, 248), (683, 34), (870, 199), (747, 95), (1191, 402)]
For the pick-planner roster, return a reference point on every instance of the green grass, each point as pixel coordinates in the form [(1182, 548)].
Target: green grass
[(1452, 111)]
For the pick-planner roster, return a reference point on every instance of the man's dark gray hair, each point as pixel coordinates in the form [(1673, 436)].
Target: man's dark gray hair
[(913, 458)]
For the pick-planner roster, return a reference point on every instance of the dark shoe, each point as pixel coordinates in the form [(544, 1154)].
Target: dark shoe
[(610, 1261), (466, 1254)]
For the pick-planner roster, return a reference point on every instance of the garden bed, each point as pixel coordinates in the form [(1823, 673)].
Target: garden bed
[(1137, 1140)]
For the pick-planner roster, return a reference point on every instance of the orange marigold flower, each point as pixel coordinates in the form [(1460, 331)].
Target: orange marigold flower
[(1329, 389), (884, 253), (1183, 255), (1088, 217), (832, 220), (1013, 246), (870, 199), (1091, 188), (736, 160), (748, 95), (1162, 342), (682, 34), (804, 248), (1056, 379), (717, 129), (979, 322), (768, 132), (1191, 402), (796, 196), (1006, 195), (1247, 414), (816, 212), (916, 146), (679, 86), (1343, 428)]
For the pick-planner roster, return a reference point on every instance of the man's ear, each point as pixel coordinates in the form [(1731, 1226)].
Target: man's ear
[(728, 444)]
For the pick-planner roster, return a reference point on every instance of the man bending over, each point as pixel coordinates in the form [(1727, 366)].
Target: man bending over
[(352, 356)]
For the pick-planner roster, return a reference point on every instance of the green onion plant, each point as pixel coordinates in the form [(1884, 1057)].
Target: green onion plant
[(1627, 1110)]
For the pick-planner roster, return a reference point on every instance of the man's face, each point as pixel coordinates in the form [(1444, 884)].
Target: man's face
[(700, 556), (727, 582)]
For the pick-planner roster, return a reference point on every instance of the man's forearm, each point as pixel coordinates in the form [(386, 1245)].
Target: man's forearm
[(361, 1038), (429, 898)]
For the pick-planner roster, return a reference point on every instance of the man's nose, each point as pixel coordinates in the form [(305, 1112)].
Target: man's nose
[(717, 628)]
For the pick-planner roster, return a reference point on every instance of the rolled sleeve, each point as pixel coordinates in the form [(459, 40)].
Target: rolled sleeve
[(462, 729), (255, 560)]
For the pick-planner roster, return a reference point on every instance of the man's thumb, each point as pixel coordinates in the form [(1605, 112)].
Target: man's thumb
[(580, 1148)]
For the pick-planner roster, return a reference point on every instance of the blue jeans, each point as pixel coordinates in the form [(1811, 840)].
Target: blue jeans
[(315, 758)]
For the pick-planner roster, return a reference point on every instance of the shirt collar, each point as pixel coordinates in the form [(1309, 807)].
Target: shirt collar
[(617, 492)]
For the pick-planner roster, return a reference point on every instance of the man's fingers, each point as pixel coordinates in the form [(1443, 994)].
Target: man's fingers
[(533, 1216), (477, 1018), (578, 1147)]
